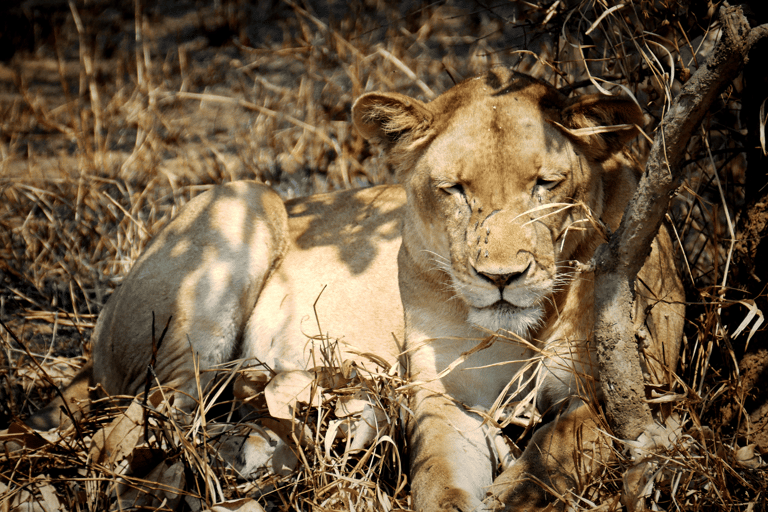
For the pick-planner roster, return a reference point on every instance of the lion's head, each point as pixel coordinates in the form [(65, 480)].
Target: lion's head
[(502, 174)]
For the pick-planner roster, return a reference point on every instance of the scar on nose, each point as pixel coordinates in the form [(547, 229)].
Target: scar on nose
[(494, 212)]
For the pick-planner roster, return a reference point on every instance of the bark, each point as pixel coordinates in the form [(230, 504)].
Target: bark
[(617, 263)]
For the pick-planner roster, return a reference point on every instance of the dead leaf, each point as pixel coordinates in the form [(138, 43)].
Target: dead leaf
[(19, 436), (747, 457), (48, 498), (118, 439), (361, 418), (261, 450), (655, 438), (287, 388), (348, 369), (335, 431), (638, 485), (330, 378), (366, 429), (249, 383), (25, 501), (241, 505), (352, 404)]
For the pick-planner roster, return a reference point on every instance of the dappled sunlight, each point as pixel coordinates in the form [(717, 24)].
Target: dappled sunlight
[(116, 135)]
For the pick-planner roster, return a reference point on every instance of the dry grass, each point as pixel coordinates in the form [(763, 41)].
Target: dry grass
[(114, 123)]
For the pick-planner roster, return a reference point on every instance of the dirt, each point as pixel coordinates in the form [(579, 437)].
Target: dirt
[(103, 139)]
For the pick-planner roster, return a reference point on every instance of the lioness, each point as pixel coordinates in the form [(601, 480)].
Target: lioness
[(500, 195)]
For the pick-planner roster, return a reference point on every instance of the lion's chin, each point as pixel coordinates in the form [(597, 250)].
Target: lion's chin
[(502, 315)]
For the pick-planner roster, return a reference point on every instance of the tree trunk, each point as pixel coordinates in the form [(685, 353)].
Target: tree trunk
[(617, 263)]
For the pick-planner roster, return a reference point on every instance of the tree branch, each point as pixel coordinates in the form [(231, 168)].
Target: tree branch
[(618, 262)]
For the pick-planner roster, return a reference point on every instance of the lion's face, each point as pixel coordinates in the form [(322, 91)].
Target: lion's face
[(497, 182), (490, 192)]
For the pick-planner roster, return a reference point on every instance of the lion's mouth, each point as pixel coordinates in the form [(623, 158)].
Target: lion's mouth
[(505, 315), (502, 305)]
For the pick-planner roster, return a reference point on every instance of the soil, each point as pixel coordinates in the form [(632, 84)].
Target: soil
[(107, 129)]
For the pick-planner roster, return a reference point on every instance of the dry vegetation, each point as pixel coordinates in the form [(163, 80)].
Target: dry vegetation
[(114, 114)]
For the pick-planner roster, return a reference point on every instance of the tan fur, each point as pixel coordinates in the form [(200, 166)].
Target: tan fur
[(496, 192)]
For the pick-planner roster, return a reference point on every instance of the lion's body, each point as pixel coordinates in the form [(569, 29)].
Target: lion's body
[(235, 245), (339, 275), (497, 187)]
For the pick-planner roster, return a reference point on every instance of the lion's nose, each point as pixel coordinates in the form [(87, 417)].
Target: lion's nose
[(502, 279)]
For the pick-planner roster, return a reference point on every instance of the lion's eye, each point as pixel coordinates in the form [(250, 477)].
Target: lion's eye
[(457, 189), (547, 183)]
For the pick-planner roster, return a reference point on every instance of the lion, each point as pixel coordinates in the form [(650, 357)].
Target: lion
[(466, 272)]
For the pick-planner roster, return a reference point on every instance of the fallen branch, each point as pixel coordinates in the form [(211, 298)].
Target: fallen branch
[(618, 262)]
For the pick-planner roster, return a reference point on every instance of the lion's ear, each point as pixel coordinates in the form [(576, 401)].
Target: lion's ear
[(602, 125), (391, 117)]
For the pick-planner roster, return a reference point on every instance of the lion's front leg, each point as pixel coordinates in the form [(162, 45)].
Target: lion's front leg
[(558, 454), (451, 462)]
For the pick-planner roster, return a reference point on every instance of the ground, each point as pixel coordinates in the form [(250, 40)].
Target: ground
[(114, 114)]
